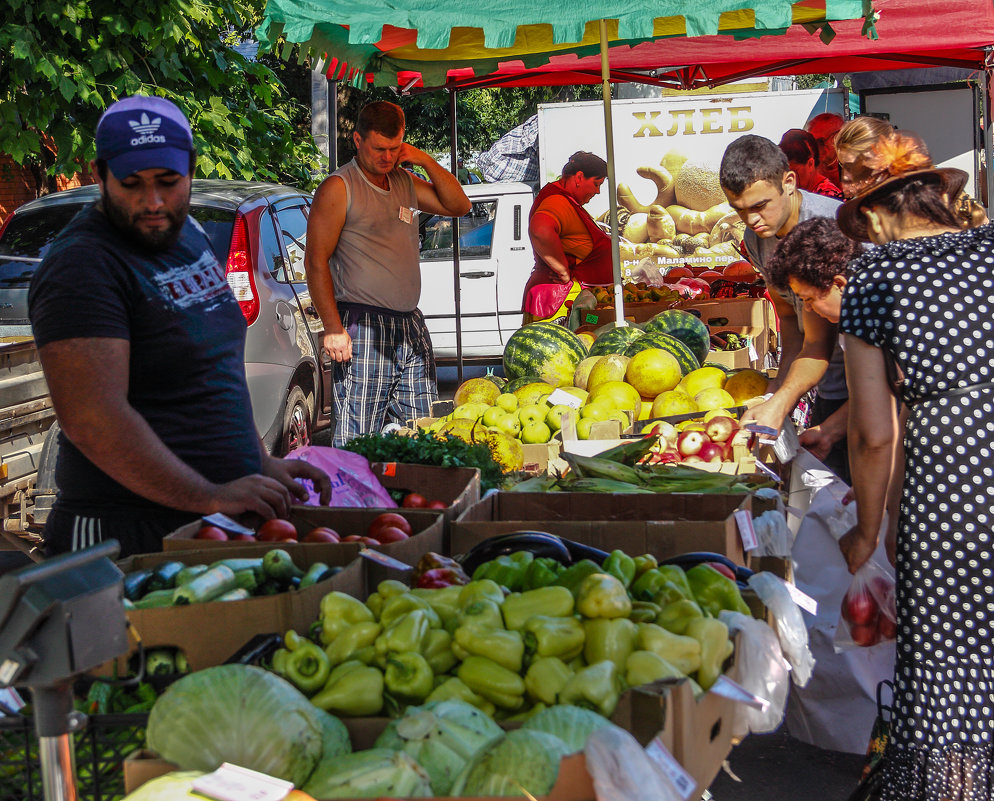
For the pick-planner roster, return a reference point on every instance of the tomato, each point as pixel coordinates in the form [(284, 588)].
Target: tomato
[(321, 534), (276, 529), (887, 628), (414, 500), (390, 534), (369, 541), (859, 607), (351, 538), (722, 568), (243, 536), (210, 533), (436, 505), (864, 635), (389, 519)]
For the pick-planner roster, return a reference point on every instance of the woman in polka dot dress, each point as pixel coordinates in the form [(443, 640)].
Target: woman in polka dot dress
[(921, 306)]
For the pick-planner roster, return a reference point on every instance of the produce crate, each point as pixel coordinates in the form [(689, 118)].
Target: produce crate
[(457, 487), (663, 525), (101, 749)]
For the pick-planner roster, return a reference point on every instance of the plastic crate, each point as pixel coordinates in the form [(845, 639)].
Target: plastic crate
[(100, 751)]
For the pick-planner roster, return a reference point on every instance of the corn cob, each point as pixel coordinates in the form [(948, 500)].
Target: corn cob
[(596, 467)]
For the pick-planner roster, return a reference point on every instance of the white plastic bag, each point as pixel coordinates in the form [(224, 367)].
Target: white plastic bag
[(622, 770), (790, 628), (772, 534), (761, 670), (868, 614)]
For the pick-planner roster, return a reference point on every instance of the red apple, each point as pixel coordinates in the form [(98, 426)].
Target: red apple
[(669, 457), (321, 534), (414, 500), (210, 533), (712, 452), (864, 635), (436, 505), (689, 443), (721, 428), (390, 534), (859, 608)]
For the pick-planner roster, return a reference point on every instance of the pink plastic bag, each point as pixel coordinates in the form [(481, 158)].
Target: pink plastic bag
[(352, 482), (869, 612)]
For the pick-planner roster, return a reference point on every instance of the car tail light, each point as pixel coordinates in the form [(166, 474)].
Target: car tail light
[(241, 277)]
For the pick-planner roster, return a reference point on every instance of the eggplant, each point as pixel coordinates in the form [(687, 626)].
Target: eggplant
[(578, 551), (136, 584), (540, 543), (689, 560)]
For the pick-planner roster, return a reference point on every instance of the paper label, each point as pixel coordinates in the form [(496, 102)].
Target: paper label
[(682, 781), (390, 469), (233, 783), (561, 396), (383, 559), (753, 355), (224, 522), (591, 318), (746, 531), (727, 688), (11, 701), (801, 598)]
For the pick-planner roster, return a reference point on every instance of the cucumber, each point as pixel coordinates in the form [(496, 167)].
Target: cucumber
[(164, 576), (240, 564), (155, 600), (237, 594), (189, 573), (246, 579), (136, 584), (313, 574), (205, 587)]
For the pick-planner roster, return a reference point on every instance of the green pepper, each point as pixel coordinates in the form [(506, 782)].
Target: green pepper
[(506, 648), (676, 616), (573, 575), (445, 602), (408, 677), (714, 591), (500, 686), (676, 574), (338, 612), (644, 612), (278, 661), (396, 606), (352, 689), (684, 653), (644, 562), (524, 714), (712, 636), (609, 640), (621, 566), (597, 687), (602, 595), (306, 666), (541, 572), (507, 571), (347, 644), (454, 689), (384, 590), (562, 637), (484, 614), (408, 633), (438, 651), (656, 586), (545, 678), (645, 667), (547, 601), (483, 590)]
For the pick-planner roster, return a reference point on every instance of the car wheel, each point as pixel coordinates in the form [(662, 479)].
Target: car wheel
[(297, 420)]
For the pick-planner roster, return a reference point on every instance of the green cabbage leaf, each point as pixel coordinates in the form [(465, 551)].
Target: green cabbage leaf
[(369, 774), (523, 762), (571, 724)]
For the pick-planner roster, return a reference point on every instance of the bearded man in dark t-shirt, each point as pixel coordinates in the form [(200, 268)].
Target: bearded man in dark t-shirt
[(142, 344)]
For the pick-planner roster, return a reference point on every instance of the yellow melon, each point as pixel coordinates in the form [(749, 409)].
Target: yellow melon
[(746, 384), (619, 394), (702, 378), (713, 398), (607, 369), (476, 390), (652, 371), (671, 403)]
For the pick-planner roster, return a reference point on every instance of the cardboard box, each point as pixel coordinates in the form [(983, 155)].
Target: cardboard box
[(663, 525), (458, 487)]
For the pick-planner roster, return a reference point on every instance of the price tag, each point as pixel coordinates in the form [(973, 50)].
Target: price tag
[(10, 701), (593, 319), (390, 469), (801, 598), (748, 534), (753, 355), (233, 783), (223, 521), (727, 688), (682, 781), (561, 396), (383, 559)]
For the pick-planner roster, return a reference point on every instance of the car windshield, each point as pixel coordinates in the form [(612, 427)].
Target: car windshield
[(27, 238)]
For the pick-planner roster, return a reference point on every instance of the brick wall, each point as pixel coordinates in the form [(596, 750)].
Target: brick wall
[(17, 185)]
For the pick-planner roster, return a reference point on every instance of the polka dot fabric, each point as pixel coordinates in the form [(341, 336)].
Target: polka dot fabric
[(930, 303)]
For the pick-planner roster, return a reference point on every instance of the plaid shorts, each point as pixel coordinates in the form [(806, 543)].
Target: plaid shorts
[(391, 375)]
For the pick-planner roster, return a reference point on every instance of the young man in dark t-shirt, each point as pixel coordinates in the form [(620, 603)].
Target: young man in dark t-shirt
[(142, 344)]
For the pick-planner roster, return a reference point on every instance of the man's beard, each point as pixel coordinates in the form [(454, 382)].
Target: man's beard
[(157, 241)]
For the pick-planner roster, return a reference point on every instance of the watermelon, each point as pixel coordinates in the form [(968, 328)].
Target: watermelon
[(511, 386), (546, 350), (615, 340), (685, 327), (680, 351)]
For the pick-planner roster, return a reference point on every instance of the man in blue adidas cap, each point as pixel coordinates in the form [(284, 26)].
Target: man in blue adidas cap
[(142, 344)]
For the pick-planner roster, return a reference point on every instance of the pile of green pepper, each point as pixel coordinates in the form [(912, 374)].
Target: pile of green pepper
[(524, 634)]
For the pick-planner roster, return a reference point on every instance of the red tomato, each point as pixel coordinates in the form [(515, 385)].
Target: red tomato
[(351, 538), (210, 533), (724, 569), (390, 534), (436, 505), (887, 628), (389, 519), (414, 500), (369, 541), (859, 608), (242, 536), (321, 534), (864, 635), (277, 529)]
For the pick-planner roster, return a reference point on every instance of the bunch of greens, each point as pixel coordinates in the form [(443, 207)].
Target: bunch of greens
[(428, 448)]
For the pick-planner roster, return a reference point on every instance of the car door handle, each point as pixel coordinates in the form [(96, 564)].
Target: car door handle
[(310, 311), (480, 274)]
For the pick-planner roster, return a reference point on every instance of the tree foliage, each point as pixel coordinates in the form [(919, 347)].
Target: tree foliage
[(62, 62)]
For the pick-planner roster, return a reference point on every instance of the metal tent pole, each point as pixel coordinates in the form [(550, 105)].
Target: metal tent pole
[(332, 125), (612, 190), (454, 168)]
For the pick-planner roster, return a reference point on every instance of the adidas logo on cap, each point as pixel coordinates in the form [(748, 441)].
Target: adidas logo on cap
[(147, 128)]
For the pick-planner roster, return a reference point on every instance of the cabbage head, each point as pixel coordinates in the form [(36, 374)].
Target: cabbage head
[(175, 786), (334, 736), (522, 761), (239, 714), (442, 736), (369, 774), (571, 724)]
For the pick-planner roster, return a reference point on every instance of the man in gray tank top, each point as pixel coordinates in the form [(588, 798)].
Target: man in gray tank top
[(364, 275), (761, 187)]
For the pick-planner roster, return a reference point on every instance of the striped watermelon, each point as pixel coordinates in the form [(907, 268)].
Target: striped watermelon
[(685, 327), (615, 340), (546, 350), (680, 351), (518, 383)]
